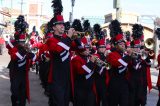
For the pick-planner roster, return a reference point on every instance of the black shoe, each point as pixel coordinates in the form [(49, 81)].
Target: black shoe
[(46, 93)]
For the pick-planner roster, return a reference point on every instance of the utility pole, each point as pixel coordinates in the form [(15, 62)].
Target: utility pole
[(117, 6), (21, 6), (71, 14)]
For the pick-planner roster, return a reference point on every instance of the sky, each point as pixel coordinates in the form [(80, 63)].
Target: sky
[(94, 7)]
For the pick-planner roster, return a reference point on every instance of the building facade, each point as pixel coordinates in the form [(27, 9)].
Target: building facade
[(127, 20)]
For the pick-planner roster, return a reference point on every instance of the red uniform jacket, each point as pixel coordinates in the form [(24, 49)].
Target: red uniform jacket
[(43, 53), (80, 67)]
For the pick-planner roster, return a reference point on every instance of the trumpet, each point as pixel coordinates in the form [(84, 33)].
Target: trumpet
[(78, 35), (143, 54), (101, 63), (34, 50)]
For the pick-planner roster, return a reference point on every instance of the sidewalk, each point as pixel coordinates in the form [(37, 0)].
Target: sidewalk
[(154, 77)]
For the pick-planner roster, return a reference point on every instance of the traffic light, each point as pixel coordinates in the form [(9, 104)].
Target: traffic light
[(157, 32)]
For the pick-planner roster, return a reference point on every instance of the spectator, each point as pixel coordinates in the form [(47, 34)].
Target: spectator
[(1, 45)]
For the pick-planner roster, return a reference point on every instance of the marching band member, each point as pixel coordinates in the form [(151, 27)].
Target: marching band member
[(34, 36), (83, 69), (135, 74), (44, 61), (19, 64), (119, 61), (102, 76), (128, 39), (140, 76), (59, 47)]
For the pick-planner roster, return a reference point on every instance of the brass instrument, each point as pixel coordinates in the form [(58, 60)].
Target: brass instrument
[(78, 35), (34, 50), (94, 41), (149, 43), (101, 63), (142, 53), (43, 28), (30, 49)]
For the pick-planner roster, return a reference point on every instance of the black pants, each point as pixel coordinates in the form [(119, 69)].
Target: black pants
[(59, 95), (118, 91), (137, 92), (84, 98), (1, 49), (101, 90), (43, 73), (18, 89), (83, 92), (158, 103)]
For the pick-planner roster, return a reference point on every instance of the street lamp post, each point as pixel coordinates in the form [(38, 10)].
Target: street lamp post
[(117, 6), (22, 6), (71, 15)]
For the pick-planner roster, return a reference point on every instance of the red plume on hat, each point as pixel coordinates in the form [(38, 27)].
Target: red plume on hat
[(57, 9)]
